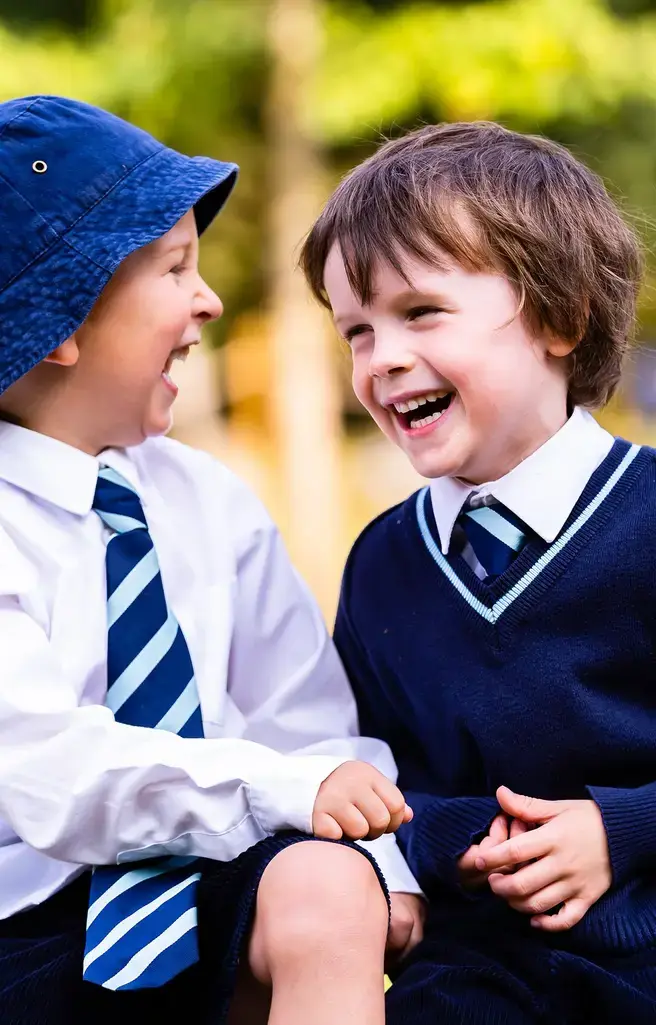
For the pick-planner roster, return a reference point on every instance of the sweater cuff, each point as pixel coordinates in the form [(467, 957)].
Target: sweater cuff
[(441, 832), (629, 818)]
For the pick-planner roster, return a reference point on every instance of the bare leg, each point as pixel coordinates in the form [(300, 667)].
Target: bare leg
[(319, 937)]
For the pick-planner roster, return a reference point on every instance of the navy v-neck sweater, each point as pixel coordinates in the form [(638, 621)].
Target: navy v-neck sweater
[(544, 681)]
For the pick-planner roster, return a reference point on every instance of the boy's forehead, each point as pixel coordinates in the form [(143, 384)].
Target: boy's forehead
[(411, 276), (183, 233)]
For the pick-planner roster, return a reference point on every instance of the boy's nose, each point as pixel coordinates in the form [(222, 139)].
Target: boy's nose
[(208, 306), (389, 359)]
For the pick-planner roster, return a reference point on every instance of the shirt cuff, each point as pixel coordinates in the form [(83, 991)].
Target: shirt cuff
[(392, 864), (285, 799)]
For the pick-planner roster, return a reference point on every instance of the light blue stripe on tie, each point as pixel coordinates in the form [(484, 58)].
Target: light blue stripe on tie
[(121, 524), (498, 526), (181, 710), (123, 883), (142, 666), (137, 916), (137, 965), (131, 587), (109, 473)]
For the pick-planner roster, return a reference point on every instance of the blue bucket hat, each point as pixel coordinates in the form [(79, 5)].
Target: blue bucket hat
[(81, 189)]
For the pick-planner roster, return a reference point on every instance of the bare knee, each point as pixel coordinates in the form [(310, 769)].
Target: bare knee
[(317, 900)]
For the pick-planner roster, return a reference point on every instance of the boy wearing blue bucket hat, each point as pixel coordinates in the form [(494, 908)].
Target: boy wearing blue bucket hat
[(173, 719)]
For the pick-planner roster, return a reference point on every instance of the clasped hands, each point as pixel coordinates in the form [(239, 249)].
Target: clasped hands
[(540, 855)]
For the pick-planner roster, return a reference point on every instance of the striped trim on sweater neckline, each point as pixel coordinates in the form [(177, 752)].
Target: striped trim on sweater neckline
[(492, 614)]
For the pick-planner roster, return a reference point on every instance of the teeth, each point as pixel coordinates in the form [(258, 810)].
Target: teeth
[(415, 424), (419, 400)]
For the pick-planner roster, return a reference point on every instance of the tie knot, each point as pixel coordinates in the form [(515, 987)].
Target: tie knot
[(117, 503), (494, 533)]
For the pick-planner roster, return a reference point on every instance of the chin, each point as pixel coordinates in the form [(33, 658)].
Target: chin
[(432, 465)]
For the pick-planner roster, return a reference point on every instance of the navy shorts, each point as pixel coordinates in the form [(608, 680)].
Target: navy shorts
[(41, 953), (471, 970)]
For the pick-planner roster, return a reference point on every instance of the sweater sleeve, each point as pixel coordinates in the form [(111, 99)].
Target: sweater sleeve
[(629, 816), (442, 827)]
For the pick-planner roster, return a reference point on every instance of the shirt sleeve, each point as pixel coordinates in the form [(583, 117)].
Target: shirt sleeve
[(78, 786), (443, 827), (629, 816), (286, 678)]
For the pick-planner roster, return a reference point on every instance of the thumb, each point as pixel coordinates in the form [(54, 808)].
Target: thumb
[(528, 809)]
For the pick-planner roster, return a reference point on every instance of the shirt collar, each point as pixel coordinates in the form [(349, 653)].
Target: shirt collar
[(54, 471), (543, 489)]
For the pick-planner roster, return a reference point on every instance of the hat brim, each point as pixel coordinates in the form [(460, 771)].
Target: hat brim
[(49, 301)]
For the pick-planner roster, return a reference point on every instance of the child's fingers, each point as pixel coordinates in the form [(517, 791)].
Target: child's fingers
[(569, 915), (408, 814), (325, 826), (467, 861), (530, 809), (542, 901), (526, 881), (517, 827), (530, 845), (353, 823), (398, 818), (376, 813), (498, 829), (388, 792)]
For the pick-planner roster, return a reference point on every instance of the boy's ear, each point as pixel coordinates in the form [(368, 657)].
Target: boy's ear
[(66, 354), (559, 347)]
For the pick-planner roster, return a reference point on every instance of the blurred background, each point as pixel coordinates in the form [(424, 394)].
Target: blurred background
[(297, 92)]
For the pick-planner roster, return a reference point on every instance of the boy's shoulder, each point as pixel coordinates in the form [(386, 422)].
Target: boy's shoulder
[(385, 537), (166, 460), (170, 465), (202, 486)]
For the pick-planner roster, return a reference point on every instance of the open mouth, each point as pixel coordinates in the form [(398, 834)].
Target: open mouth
[(181, 353), (422, 410)]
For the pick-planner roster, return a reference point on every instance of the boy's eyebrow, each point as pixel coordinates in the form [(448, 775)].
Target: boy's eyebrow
[(411, 293)]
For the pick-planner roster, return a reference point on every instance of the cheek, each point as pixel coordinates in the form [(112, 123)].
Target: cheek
[(361, 379)]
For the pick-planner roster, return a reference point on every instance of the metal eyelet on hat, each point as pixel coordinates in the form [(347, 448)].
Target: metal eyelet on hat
[(39, 167)]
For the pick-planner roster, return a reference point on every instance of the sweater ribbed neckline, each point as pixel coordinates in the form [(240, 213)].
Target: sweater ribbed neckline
[(511, 595)]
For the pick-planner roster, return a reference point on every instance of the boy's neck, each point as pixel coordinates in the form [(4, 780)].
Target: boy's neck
[(530, 446)]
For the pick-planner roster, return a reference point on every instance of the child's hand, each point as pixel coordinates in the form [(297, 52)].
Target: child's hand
[(571, 865), (406, 929), (500, 831), (356, 801)]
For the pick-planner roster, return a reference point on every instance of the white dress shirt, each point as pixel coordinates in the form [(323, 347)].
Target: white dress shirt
[(542, 490), (76, 787)]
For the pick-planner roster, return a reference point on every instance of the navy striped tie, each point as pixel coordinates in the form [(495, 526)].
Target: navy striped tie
[(142, 921), (493, 534)]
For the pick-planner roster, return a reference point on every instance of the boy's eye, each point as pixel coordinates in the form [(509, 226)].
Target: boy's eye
[(422, 311), (179, 268), (358, 329)]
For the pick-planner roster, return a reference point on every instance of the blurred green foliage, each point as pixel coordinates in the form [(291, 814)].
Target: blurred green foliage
[(196, 74)]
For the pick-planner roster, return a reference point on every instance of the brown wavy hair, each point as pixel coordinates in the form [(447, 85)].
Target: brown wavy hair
[(495, 200)]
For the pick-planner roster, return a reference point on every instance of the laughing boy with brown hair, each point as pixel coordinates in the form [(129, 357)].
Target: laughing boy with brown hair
[(498, 626)]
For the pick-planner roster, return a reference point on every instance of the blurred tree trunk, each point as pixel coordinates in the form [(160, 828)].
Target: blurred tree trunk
[(304, 388)]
